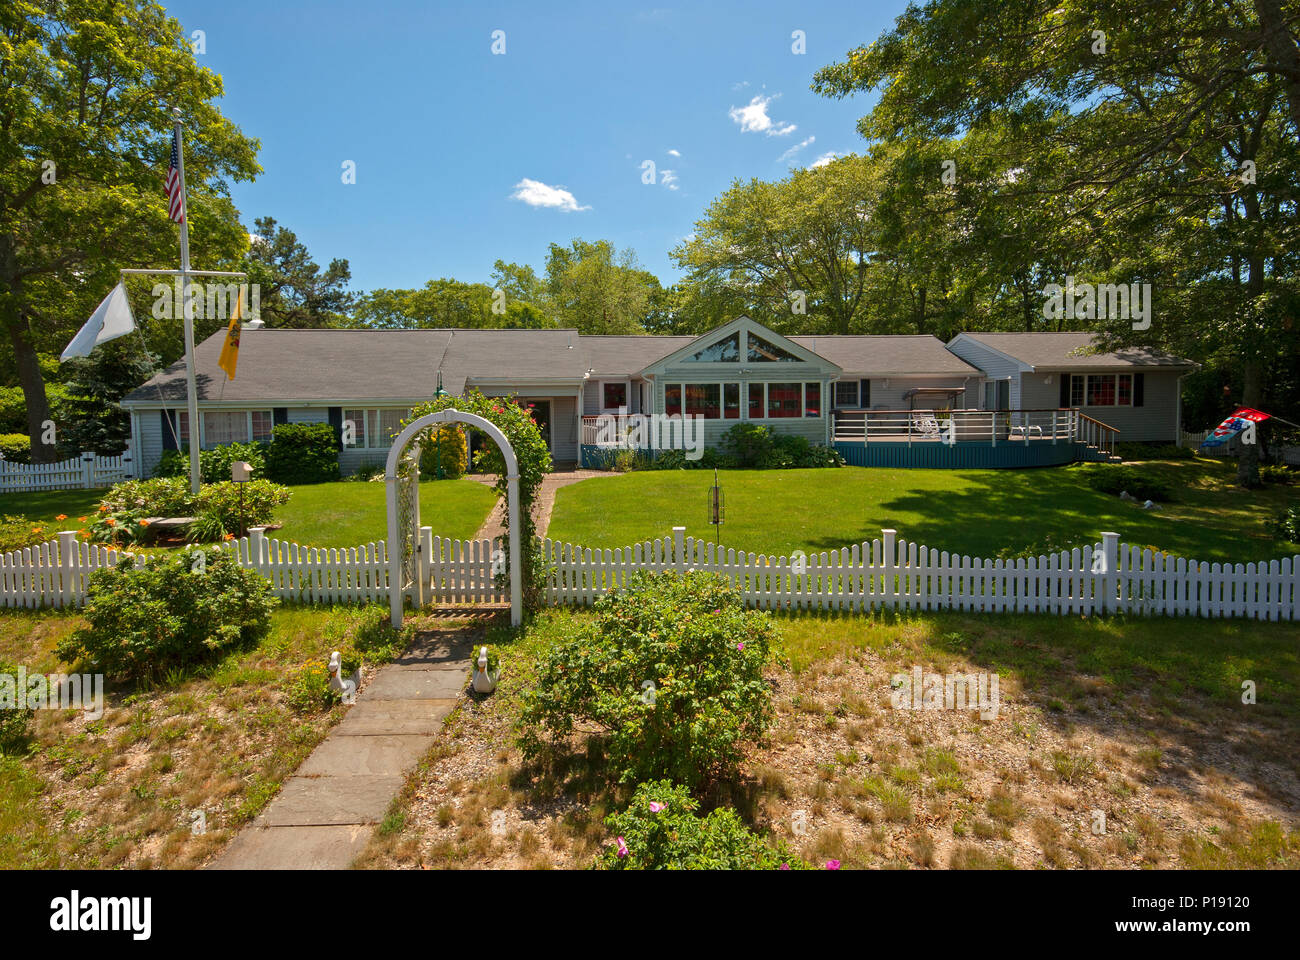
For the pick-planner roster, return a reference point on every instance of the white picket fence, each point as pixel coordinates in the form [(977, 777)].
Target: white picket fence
[(453, 571), (87, 471), (888, 573), (892, 574)]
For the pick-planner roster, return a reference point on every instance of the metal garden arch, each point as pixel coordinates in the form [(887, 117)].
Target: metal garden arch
[(404, 508)]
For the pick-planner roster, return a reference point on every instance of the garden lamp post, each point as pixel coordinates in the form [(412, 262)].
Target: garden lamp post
[(241, 472), (437, 434)]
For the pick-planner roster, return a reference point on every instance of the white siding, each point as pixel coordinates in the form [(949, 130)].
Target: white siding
[(1155, 421), (995, 367)]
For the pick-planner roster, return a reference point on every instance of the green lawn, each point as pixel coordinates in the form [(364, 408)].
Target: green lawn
[(349, 514), (344, 514), (976, 512)]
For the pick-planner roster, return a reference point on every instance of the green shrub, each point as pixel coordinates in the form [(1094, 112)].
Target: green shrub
[(1278, 473), (1154, 451), (15, 718), (218, 504), (752, 445), (757, 447), (1140, 483), (16, 447), (671, 668), (303, 453), (214, 464), (152, 615), (449, 445), (1286, 525), (13, 410), (17, 532), (670, 836)]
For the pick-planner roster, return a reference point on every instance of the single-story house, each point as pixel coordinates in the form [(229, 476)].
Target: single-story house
[(739, 372), (1138, 391)]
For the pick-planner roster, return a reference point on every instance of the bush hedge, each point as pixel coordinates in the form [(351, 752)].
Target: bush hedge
[(217, 506), (448, 444), (671, 668), (16, 447), (303, 453), (214, 464), (660, 830), (1140, 483), (151, 615)]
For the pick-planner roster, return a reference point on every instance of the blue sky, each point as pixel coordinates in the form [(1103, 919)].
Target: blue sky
[(463, 156)]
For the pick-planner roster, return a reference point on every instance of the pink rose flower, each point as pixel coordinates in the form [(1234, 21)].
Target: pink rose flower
[(832, 864), (656, 806), (622, 847)]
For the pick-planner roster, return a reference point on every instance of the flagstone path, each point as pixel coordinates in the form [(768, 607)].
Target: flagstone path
[(542, 506), (324, 814)]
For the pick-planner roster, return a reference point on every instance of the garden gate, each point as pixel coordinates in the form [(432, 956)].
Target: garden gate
[(402, 478)]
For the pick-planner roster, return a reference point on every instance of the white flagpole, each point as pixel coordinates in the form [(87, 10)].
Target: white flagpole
[(192, 395)]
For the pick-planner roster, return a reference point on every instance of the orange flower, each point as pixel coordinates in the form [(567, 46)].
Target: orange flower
[(144, 523), (62, 516), (85, 534), (81, 519), (37, 529), (111, 522), (103, 508), (228, 536)]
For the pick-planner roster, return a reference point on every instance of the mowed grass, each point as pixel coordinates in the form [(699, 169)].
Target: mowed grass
[(975, 512), (343, 514), (351, 513)]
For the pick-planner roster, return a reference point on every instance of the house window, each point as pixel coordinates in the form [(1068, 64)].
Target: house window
[(223, 428), (784, 400), (755, 401), (726, 350), (1109, 389), (183, 428), (702, 400), (1076, 391), (761, 351), (846, 393), (673, 399), (390, 425), (731, 401), (615, 395), (358, 420), (812, 399), (262, 424)]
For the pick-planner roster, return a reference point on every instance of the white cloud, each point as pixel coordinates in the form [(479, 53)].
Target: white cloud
[(795, 149), (538, 194), (754, 119), (668, 178), (740, 85), (674, 153), (826, 158)]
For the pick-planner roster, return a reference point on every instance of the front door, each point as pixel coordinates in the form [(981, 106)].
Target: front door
[(542, 417)]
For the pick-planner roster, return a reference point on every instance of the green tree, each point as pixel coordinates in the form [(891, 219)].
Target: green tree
[(1175, 123), (87, 89), (295, 291), (596, 289)]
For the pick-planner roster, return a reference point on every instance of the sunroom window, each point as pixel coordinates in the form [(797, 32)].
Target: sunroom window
[(726, 350), (761, 351)]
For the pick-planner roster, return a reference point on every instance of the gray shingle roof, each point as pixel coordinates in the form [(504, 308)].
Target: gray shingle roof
[(318, 365), (1062, 351), (613, 356), (887, 355)]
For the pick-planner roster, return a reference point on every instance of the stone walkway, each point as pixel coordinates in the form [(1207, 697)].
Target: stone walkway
[(542, 506), (324, 814)]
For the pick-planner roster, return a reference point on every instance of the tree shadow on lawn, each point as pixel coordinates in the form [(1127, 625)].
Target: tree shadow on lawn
[(1046, 510)]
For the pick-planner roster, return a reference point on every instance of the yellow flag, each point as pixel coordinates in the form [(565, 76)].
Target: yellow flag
[(230, 352)]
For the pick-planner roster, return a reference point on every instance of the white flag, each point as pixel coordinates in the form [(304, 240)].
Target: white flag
[(111, 319)]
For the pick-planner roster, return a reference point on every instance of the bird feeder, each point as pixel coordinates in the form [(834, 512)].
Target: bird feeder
[(241, 472), (717, 507)]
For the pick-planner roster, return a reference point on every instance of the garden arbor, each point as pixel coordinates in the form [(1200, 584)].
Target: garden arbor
[(402, 480)]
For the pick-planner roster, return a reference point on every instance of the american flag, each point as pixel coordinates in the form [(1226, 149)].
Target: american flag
[(175, 193)]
